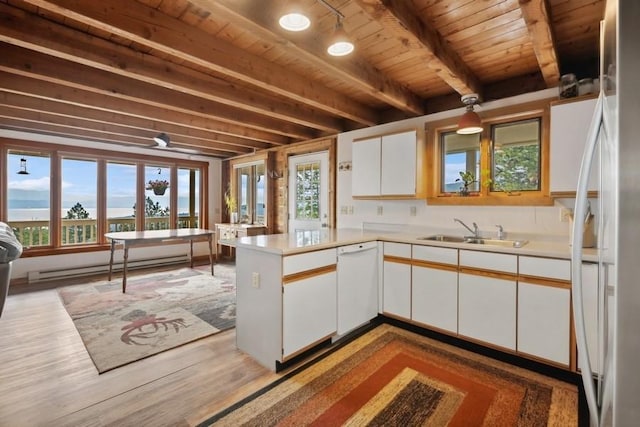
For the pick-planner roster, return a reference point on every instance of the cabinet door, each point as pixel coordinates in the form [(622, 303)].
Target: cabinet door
[(397, 289), (487, 309), (435, 298), (544, 321), (396, 280), (365, 175), (399, 157), (569, 127), (309, 312)]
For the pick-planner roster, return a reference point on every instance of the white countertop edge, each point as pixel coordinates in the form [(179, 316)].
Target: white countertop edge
[(285, 244)]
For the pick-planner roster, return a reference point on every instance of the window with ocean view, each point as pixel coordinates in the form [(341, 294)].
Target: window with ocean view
[(29, 196), (58, 197), (121, 197), (157, 198), (79, 201), (188, 198)]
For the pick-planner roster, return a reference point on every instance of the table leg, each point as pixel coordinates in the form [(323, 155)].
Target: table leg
[(191, 253), (124, 271), (113, 246), (211, 254)]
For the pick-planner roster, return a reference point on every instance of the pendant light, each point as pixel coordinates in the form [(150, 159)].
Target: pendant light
[(470, 122), (340, 43)]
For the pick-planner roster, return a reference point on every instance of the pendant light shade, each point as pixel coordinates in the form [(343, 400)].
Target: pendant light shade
[(340, 43), (470, 121), (162, 140)]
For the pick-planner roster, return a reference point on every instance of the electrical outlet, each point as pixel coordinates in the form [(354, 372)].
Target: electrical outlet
[(255, 280), (344, 210), (565, 214), (412, 211), (350, 210), (379, 210)]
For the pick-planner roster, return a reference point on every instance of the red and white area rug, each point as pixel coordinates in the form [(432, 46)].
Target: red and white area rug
[(158, 312)]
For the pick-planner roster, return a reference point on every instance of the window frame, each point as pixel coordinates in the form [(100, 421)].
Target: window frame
[(485, 196), (253, 162), (58, 152)]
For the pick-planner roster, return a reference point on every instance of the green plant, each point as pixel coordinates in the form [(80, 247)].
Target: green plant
[(157, 184), (467, 179)]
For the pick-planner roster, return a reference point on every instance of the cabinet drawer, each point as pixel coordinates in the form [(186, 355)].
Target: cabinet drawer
[(401, 250), (489, 261), (308, 261), (545, 267), (435, 254)]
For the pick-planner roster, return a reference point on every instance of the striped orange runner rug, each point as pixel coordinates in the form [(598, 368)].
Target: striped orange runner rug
[(393, 377)]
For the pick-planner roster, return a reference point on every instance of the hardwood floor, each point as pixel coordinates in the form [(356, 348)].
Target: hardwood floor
[(47, 377)]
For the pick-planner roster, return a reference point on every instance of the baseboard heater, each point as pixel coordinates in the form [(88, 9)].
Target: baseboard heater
[(88, 270)]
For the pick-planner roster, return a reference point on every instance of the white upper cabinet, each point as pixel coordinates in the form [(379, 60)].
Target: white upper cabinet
[(569, 127), (388, 166), (366, 167)]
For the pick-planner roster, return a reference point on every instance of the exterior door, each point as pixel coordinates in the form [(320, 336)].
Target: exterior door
[(309, 191)]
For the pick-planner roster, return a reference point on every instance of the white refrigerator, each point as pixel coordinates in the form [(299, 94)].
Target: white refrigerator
[(611, 377)]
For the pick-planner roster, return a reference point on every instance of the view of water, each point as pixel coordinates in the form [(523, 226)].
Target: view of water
[(43, 214)]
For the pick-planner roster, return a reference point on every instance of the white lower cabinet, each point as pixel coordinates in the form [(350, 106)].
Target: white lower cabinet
[(544, 309), (434, 296), (309, 300), (487, 298), (309, 312), (396, 276)]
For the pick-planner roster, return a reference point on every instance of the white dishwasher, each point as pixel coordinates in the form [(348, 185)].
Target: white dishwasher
[(357, 285)]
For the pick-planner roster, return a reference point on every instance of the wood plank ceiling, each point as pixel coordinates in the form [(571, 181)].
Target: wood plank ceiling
[(220, 76)]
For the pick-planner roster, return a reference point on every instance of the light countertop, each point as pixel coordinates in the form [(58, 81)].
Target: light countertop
[(312, 240)]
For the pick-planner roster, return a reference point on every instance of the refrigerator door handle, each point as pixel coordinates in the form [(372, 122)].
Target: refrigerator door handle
[(580, 210)]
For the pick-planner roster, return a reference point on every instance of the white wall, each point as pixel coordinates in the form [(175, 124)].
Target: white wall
[(22, 266), (514, 219)]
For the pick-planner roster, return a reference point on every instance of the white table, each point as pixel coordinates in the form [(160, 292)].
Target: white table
[(133, 238)]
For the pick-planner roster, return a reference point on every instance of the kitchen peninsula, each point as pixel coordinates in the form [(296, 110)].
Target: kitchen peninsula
[(287, 291)]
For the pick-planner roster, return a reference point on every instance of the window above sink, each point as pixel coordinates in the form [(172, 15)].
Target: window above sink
[(506, 164)]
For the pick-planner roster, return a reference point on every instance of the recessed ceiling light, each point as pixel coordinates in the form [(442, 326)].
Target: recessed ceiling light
[(294, 22)]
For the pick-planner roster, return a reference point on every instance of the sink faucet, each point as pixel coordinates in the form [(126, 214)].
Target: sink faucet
[(475, 231), (501, 232)]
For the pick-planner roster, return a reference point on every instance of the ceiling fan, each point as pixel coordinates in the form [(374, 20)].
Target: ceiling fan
[(163, 142)]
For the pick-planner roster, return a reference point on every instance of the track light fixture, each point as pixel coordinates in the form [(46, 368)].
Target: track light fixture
[(470, 121), (162, 140), (295, 20)]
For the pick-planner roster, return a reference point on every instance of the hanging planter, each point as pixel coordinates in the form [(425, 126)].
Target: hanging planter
[(159, 186)]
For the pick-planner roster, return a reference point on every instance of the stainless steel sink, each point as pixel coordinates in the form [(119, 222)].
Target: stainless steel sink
[(496, 242), (475, 240), (444, 238)]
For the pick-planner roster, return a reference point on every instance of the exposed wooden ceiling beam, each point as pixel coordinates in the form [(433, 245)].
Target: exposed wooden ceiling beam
[(97, 136), (205, 138), (148, 27), (44, 67), (37, 88), (312, 49), (536, 16), (399, 19), (36, 33)]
